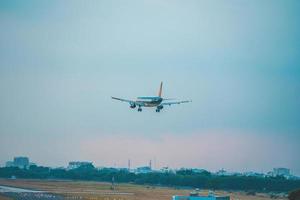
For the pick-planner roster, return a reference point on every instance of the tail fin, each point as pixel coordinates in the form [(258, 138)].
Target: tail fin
[(160, 89)]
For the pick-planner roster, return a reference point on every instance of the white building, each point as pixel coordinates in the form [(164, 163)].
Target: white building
[(21, 162), (281, 172), (196, 196), (77, 164), (254, 174), (143, 170), (201, 198), (222, 172), (167, 170), (9, 164)]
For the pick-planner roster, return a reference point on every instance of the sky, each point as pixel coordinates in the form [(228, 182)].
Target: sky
[(238, 61)]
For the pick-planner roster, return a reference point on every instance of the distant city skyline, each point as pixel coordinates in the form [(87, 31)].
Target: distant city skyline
[(23, 163), (60, 63)]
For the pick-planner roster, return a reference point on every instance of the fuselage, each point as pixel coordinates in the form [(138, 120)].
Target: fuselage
[(149, 101)]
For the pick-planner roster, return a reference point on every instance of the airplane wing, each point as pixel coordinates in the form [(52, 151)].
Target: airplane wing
[(131, 102), (125, 100), (174, 102)]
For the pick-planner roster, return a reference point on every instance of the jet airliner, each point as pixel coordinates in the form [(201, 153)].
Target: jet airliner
[(151, 101)]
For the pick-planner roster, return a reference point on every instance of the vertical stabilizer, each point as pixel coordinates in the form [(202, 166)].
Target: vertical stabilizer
[(160, 89)]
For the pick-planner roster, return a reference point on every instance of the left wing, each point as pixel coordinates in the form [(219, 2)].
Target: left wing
[(125, 100), (175, 102), (131, 102)]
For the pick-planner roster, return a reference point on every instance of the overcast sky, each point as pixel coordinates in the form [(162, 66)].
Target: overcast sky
[(239, 61)]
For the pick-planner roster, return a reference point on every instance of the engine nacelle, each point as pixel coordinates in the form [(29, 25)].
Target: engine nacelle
[(132, 105), (160, 107)]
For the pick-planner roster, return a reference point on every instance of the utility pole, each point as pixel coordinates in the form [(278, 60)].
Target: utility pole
[(112, 187), (128, 164)]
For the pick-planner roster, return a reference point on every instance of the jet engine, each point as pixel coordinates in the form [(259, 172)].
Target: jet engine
[(132, 105)]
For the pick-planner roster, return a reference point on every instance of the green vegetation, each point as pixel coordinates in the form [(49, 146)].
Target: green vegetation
[(183, 178)]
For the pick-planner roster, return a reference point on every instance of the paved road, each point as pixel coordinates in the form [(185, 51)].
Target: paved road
[(26, 194)]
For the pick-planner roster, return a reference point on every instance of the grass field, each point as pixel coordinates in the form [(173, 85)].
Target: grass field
[(88, 190)]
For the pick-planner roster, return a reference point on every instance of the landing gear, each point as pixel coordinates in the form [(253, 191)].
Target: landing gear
[(139, 109), (158, 108)]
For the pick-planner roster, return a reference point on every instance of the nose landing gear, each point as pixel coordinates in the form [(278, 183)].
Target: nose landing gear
[(139, 109)]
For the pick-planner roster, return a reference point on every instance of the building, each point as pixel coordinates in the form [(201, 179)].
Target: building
[(281, 172), (196, 196), (222, 172), (253, 174), (9, 164), (200, 198), (167, 170), (77, 164), (143, 170), (21, 162), (196, 170)]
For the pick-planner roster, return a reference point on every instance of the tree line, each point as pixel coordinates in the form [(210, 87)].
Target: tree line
[(182, 178)]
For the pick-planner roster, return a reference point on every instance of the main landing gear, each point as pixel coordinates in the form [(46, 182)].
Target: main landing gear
[(139, 109), (158, 108)]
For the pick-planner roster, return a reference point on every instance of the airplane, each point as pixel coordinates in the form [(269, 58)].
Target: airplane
[(151, 101)]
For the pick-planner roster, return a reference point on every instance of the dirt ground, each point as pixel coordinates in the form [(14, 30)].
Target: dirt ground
[(4, 197), (88, 190)]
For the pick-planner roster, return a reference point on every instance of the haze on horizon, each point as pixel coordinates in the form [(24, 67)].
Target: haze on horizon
[(239, 61)]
